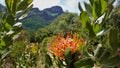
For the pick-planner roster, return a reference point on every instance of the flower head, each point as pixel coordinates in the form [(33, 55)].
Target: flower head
[(59, 44)]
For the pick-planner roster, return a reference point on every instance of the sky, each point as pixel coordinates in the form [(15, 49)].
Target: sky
[(67, 5)]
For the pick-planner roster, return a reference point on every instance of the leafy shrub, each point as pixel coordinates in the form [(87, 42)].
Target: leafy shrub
[(10, 25)]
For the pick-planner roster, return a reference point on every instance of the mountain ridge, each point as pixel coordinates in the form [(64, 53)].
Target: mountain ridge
[(39, 18)]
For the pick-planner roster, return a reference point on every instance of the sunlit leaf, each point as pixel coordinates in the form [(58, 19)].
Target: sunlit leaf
[(104, 4), (88, 8), (23, 14), (14, 7), (96, 28), (9, 4), (2, 43), (98, 52), (84, 18), (24, 4), (7, 26), (79, 6), (96, 9)]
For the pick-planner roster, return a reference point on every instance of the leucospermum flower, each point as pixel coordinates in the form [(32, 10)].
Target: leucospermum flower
[(59, 44)]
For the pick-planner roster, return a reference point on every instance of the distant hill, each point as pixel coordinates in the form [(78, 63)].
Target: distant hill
[(39, 18)]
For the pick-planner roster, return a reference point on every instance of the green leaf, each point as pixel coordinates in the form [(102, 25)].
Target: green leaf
[(86, 23), (96, 9), (79, 6), (91, 2), (48, 60), (14, 7), (8, 40), (9, 4), (112, 62), (7, 26), (104, 4), (84, 18), (59, 63), (5, 53), (96, 28), (109, 8), (24, 4), (88, 8), (113, 39), (98, 52), (2, 43), (84, 63), (68, 57), (91, 32), (24, 12), (10, 20), (104, 57)]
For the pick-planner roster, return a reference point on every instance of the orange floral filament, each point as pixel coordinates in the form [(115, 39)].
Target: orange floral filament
[(59, 44)]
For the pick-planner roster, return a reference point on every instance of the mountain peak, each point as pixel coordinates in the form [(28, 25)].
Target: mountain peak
[(35, 10), (55, 9), (40, 18)]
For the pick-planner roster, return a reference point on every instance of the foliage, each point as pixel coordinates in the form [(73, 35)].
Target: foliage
[(34, 23), (101, 48), (107, 45), (42, 33), (10, 25), (60, 44), (97, 24), (67, 22), (24, 54), (64, 48)]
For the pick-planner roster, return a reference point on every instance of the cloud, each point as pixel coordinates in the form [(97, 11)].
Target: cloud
[(42, 4), (2, 2), (70, 5)]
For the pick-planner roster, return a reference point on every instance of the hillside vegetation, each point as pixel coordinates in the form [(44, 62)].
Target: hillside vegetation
[(67, 22), (40, 18), (51, 38)]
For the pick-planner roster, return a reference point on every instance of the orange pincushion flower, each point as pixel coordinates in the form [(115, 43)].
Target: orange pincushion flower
[(59, 44)]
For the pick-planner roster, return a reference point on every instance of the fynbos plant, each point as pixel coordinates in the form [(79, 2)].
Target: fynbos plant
[(66, 49), (102, 43), (10, 25)]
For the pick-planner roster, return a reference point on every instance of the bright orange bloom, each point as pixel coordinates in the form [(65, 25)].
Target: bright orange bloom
[(59, 44)]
